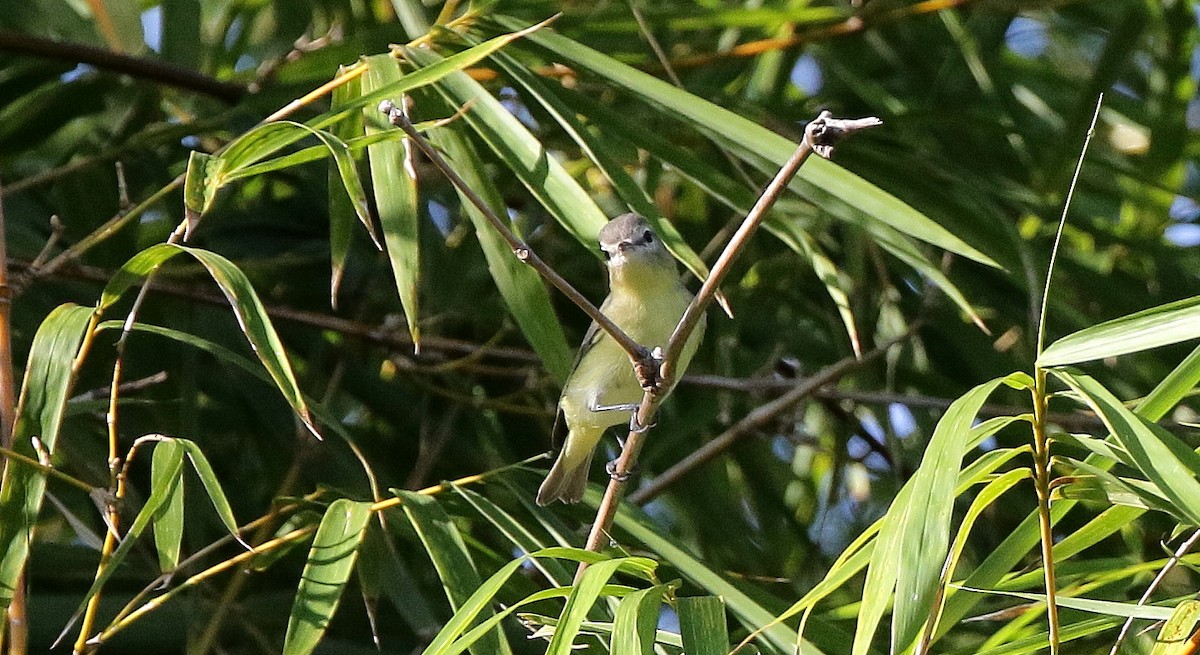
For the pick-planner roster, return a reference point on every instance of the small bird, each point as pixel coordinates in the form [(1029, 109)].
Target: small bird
[(646, 299)]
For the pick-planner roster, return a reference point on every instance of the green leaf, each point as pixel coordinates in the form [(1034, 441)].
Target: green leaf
[(199, 182), (523, 153), (44, 393), (341, 210), (920, 526), (166, 471), (1173, 638), (394, 181), (1165, 460), (520, 286), (820, 181), (1151, 328), (579, 603), (251, 315), (702, 625), (1107, 607), (253, 146), (602, 155), (636, 621), (445, 546), (212, 486), (330, 561), (749, 612)]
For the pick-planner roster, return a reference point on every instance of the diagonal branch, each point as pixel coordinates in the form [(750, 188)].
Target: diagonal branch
[(637, 353), (138, 67)]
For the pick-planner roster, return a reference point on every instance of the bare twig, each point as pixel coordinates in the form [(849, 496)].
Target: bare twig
[(819, 136), (761, 416), (637, 353), (138, 67), (18, 628), (1183, 549)]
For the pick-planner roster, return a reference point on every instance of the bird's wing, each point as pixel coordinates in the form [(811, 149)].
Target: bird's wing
[(590, 338)]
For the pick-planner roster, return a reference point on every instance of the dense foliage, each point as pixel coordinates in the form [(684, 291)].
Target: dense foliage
[(891, 413)]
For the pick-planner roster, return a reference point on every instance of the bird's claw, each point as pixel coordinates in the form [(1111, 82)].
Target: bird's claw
[(638, 428), (613, 473), (649, 370)]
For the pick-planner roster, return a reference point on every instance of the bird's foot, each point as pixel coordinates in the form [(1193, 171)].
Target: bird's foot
[(648, 369), (613, 473)]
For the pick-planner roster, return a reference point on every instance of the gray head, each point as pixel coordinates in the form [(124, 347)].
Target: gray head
[(629, 238)]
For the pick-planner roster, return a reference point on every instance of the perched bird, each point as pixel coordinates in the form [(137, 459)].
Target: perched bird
[(646, 299)]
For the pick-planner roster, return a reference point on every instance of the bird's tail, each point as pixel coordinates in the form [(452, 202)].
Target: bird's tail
[(566, 480)]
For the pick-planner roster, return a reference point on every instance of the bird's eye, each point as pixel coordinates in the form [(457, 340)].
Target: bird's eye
[(648, 236)]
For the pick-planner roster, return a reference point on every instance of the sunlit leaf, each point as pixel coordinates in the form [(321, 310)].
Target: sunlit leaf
[(330, 561), (1151, 328), (44, 392)]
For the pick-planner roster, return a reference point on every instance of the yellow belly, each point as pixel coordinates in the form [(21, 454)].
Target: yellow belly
[(604, 375)]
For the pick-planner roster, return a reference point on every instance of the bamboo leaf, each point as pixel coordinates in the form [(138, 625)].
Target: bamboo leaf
[(251, 315), (394, 181), (341, 210), (924, 521), (445, 546), (520, 286), (523, 153), (579, 603), (166, 471), (330, 561), (1151, 328), (702, 625), (636, 621), (44, 392), (1167, 462), (819, 181)]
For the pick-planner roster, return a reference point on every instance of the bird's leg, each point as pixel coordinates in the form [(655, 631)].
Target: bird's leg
[(632, 408)]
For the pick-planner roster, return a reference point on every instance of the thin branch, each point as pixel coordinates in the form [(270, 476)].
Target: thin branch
[(637, 353), (138, 67), (18, 626), (384, 335), (1183, 549), (761, 416)]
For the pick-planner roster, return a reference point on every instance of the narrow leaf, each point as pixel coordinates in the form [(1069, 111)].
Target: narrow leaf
[(702, 625), (445, 546), (1160, 456), (394, 181), (636, 621), (330, 561), (251, 315), (166, 469), (1151, 328), (523, 153), (520, 286), (925, 524), (820, 180), (341, 211), (44, 394), (579, 603)]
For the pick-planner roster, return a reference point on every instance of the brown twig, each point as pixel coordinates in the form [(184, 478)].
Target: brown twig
[(819, 136), (637, 353), (18, 628), (762, 415), (138, 67)]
